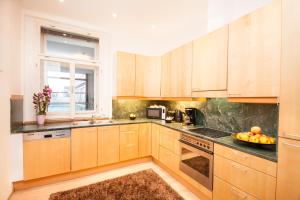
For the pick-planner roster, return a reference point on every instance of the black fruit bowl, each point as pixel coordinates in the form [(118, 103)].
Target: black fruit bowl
[(132, 118)]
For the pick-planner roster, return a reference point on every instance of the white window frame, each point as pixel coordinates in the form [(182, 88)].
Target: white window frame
[(92, 64)]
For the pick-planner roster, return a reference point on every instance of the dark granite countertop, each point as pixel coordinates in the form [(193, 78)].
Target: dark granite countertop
[(265, 153)]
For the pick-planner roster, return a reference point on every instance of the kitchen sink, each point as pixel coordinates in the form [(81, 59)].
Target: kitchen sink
[(94, 122)]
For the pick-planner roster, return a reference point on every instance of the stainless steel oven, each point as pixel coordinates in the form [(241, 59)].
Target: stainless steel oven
[(197, 159)]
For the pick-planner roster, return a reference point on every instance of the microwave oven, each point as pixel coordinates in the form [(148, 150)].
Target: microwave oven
[(156, 112)]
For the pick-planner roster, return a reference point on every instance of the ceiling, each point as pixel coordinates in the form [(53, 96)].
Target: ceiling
[(149, 27)]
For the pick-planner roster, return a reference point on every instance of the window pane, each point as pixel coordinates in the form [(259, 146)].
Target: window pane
[(69, 45), (57, 76), (84, 88)]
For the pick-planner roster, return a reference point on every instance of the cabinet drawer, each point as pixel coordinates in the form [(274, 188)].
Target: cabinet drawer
[(168, 138), (248, 160), (130, 127), (258, 184), (223, 190), (169, 159)]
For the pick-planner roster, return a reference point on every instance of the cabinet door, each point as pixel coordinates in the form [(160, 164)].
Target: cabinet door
[(148, 75), (108, 145), (129, 142), (125, 74), (46, 157), (144, 140), (289, 115), (155, 141), (177, 72), (254, 53), (223, 190), (169, 159), (84, 148), (288, 176), (210, 61)]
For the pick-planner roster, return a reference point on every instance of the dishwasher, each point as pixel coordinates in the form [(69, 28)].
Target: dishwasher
[(46, 153)]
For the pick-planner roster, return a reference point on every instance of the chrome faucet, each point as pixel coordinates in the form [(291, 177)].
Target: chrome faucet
[(93, 119)]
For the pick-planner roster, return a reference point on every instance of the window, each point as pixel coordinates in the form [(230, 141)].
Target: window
[(69, 67)]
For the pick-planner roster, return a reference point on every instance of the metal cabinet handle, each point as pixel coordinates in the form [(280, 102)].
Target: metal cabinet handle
[(239, 168), (291, 145), (292, 135), (237, 193)]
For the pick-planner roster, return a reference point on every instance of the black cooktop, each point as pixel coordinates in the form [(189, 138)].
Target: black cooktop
[(208, 132)]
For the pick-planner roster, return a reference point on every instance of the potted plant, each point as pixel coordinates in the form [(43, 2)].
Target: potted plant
[(41, 102)]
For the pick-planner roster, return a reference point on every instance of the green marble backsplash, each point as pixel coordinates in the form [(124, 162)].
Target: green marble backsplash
[(214, 113)]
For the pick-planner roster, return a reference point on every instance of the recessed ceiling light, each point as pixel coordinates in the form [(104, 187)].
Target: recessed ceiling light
[(153, 26), (61, 1), (114, 15), (64, 34)]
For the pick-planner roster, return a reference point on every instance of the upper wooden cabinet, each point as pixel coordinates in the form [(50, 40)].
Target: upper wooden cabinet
[(210, 63), (129, 142), (84, 148), (288, 176), (177, 72), (254, 53), (148, 75), (289, 114), (108, 145), (125, 74)]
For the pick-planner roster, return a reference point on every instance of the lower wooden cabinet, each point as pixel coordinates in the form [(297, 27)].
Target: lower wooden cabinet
[(46, 157), (168, 139), (288, 176), (144, 140), (255, 183), (155, 141), (108, 145), (84, 148), (169, 159), (129, 142), (223, 190)]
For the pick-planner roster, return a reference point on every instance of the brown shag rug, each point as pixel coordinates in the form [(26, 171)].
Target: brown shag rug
[(142, 185)]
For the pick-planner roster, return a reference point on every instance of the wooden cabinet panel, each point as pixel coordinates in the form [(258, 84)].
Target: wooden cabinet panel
[(84, 148), (248, 160), (288, 177), (144, 140), (289, 115), (168, 139), (155, 141), (223, 190), (125, 74), (169, 159), (108, 145), (129, 142), (46, 157), (148, 76), (257, 184), (177, 72), (254, 53), (210, 61)]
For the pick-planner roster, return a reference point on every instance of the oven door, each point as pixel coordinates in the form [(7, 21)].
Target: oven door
[(197, 164)]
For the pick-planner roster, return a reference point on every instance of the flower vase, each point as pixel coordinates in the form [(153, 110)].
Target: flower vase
[(40, 119)]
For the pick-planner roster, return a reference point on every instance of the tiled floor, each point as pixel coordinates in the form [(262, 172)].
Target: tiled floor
[(43, 192)]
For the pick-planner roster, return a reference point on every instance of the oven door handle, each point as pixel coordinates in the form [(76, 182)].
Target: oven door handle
[(193, 149)]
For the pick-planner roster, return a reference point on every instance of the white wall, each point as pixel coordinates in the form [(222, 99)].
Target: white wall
[(9, 83)]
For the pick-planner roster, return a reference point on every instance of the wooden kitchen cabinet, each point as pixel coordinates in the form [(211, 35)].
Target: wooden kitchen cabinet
[(289, 114), (129, 142), (288, 176), (125, 74), (169, 139), (108, 145), (169, 159), (254, 53), (155, 141), (255, 183), (209, 77), (223, 190), (145, 139), (148, 76), (177, 72), (84, 148), (46, 157)]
